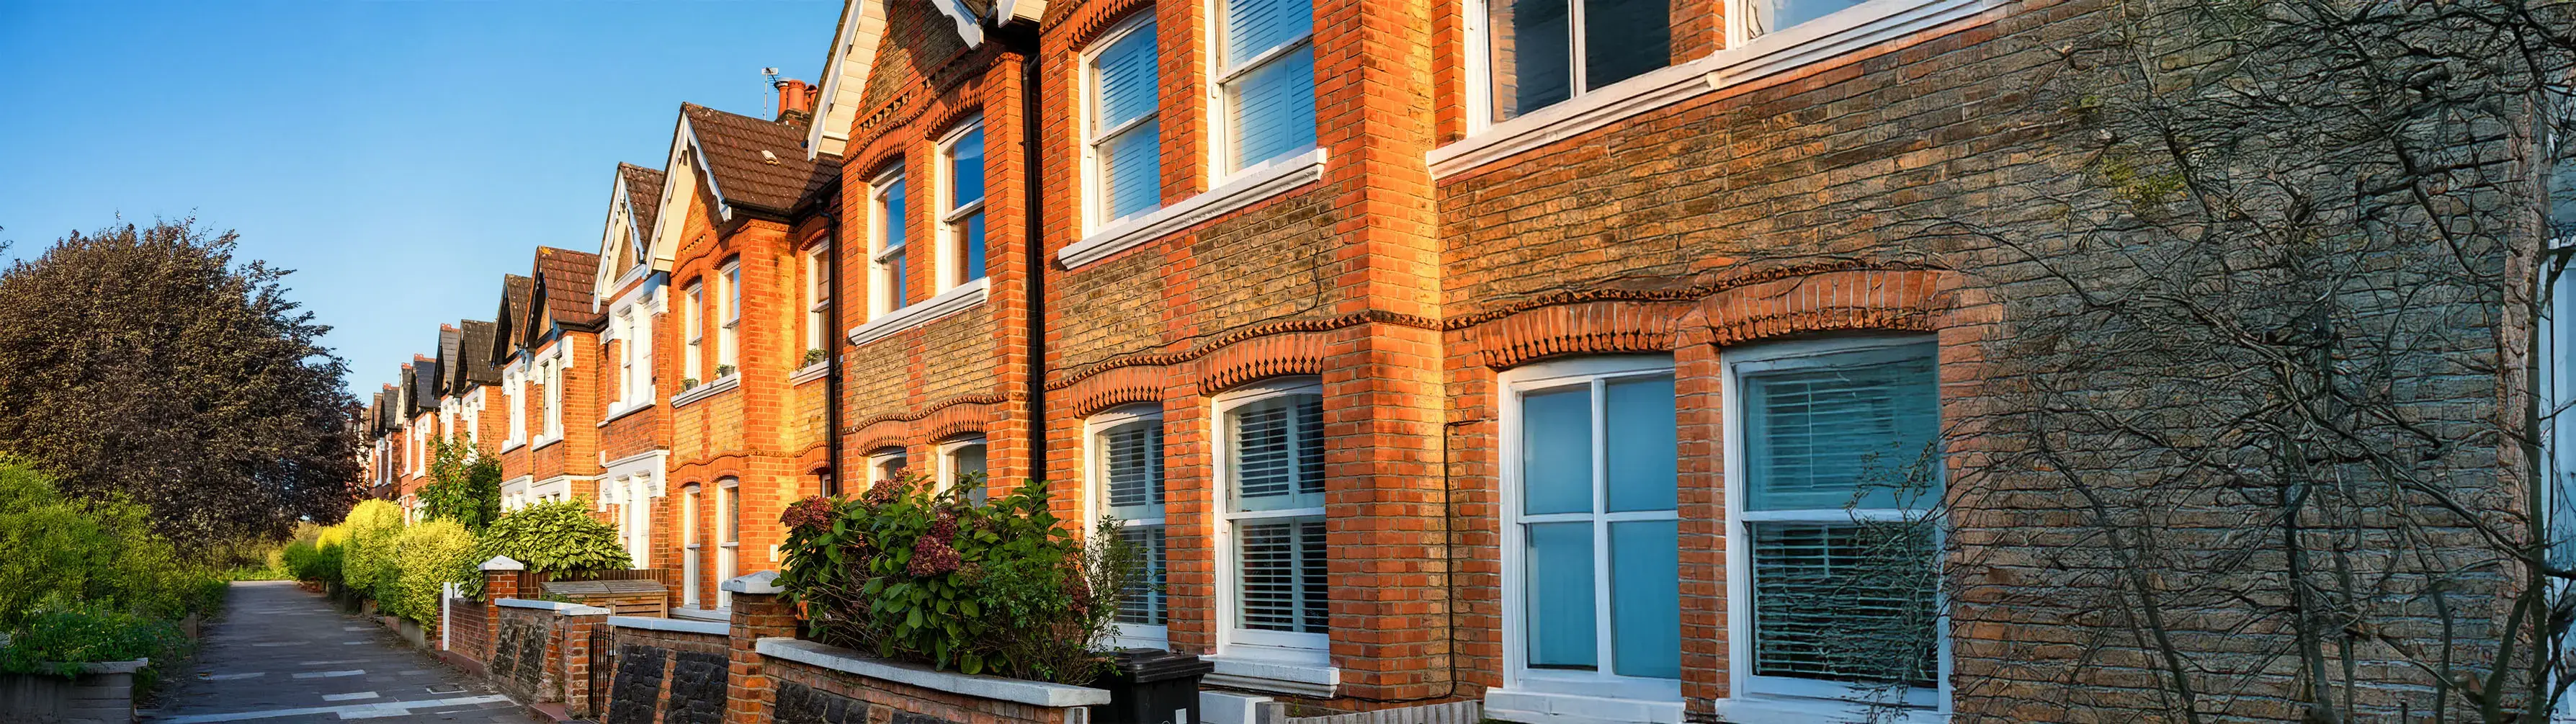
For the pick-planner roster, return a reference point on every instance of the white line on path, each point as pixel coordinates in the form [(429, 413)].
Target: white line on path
[(327, 663), (349, 697), (330, 674), (230, 677), (345, 711)]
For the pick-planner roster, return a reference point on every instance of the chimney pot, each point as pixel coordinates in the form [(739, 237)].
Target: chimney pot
[(796, 97)]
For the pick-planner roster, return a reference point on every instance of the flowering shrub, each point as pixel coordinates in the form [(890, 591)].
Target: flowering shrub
[(924, 576)]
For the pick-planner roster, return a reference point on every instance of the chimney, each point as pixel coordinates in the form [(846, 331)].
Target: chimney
[(795, 97)]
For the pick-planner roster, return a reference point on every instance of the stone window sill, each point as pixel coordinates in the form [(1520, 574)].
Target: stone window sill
[(615, 413), (707, 390), (1243, 189), (962, 297), (1276, 677), (811, 373)]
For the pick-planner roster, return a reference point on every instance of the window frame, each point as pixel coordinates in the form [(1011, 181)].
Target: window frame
[(1594, 373), (729, 319), (818, 298), (1743, 683), (694, 326), (1310, 649), (952, 232), (1095, 203), (1221, 141), (728, 534), (886, 288), (1095, 472), (1480, 61), (690, 545), (947, 457), (878, 459)]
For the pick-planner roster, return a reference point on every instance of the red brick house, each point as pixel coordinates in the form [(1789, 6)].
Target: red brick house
[(633, 293)]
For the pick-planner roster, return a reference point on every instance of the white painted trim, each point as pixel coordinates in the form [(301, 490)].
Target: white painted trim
[(712, 628), (1296, 649), (707, 390), (811, 373), (1837, 34), (702, 614), (853, 52), (956, 299), (1755, 709), (1549, 708), (1018, 691), (1273, 676), (969, 27), (559, 607), (761, 582), (615, 412), (1243, 189), (1020, 10)]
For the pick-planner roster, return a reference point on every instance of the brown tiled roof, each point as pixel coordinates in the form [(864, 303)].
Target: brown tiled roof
[(477, 368), (564, 279), (450, 357), (644, 190), (515, 292), (778, 182)]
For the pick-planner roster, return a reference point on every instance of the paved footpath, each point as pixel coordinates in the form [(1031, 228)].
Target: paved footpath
[(279, 654)]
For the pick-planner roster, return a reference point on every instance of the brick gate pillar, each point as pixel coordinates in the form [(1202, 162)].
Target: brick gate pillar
[(757, 614)]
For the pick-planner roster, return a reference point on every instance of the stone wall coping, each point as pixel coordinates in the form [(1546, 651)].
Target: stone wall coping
[(762, 582), (1034, 693), (680, 625), (115, 667), (702, 614), (503, 563), (559, 607)]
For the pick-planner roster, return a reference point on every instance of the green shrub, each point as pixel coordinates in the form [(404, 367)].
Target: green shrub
[(464, 486), (57, 641), (992, 589), (555, 537), (56, 552), (316, 561), (427, 555), (367, 562)]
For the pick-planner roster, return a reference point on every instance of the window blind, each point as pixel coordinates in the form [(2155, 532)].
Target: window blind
[(1270, 110), (1531, 48), (1143, 603), (1253, 27), (1282, 573), (1126, 87), (1854, 434), (1133, 470), (1837, 602), (1276, 453)]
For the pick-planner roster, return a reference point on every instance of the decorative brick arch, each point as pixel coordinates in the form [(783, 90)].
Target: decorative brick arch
[(1295, 353), (1602, 327), (1121, 386), (938, 421), (1894, 300)]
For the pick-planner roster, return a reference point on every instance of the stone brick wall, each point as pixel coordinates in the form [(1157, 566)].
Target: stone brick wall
[(662, 676)]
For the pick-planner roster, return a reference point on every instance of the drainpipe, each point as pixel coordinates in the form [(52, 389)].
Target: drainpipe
[(1026, 42), (832, 355)]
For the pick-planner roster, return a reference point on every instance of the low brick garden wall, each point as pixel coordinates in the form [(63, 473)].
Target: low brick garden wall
[(542, 649), (102, 694), (662, 670), (817, 684)]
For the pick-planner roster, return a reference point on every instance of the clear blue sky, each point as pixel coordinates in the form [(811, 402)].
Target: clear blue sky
[(400, 156)]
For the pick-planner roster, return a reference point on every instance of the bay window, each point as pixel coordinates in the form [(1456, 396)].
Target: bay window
[(1126, 471), (1124, 145), (885, 257), (1832, 466), (1265, 80), (1542, 52), (962, 220), (727, 350), (1274, 570), (1592, 528)]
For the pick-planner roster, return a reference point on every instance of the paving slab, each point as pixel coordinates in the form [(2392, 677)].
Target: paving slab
[(279, 655)]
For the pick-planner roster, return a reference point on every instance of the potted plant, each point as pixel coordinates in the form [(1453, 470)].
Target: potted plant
[(813, 357), (688, 383), (722, 370)]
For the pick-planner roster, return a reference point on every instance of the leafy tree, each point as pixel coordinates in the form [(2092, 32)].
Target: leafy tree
[(144, 361), (464, 486)]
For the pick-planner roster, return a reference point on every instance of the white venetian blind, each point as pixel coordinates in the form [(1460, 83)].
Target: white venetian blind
[(1276, 453), (1143, 603), (1283, 575), (1127, 144), (1133, 457), (1835, 602), (1270, 107), (1851, 434)]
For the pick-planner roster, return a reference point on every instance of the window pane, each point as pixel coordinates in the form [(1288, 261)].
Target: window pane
[(1272, 110), (1853, 432), (1562, 627), (971, 229), (1770, 16), (1622, 38), (1132, 470), (1531, 41), (1843, 603), (1124, 78), (1275, 453), (966, 168), (1253, 26), (1282, 575), (895, 278), (1143, 603), (1642, 442), (1556, 451), (1646, 599), (966, 468), (1131, 171)]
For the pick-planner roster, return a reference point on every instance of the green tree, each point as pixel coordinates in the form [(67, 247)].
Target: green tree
[(464, 486), (144, 361), (56, 552)]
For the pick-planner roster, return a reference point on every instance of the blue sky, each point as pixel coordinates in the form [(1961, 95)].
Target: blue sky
[(400, 156)]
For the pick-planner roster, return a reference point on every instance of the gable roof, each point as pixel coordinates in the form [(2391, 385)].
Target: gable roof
[(643, 187), (562, 292), (473, 366), (755, 163), (626, 240), (853, 54), (516, 291), (449, 359)]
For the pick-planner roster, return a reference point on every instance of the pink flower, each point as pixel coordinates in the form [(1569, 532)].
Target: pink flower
[(931, 557), (811, 512)]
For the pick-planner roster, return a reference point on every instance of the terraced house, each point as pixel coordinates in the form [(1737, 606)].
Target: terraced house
[(1560, 355)]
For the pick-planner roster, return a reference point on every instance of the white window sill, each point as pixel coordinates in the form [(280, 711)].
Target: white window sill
[(617, 412), (1758, 709), (513, 445), (1278, 677), (1843, 32), (1249, 186), (811, 373), (957, 299), (1534, 707), (707, 390), (543, 442)]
